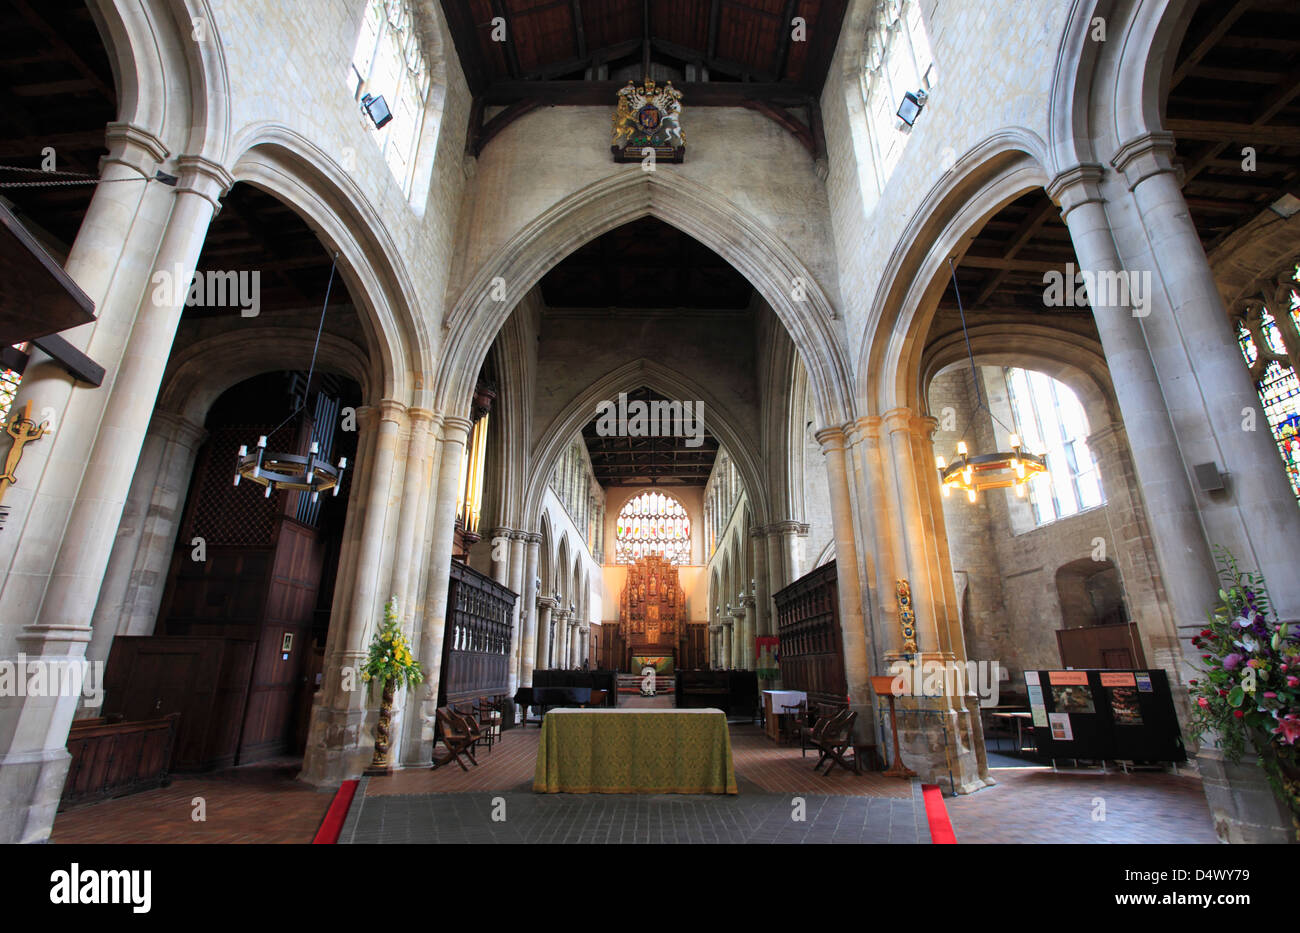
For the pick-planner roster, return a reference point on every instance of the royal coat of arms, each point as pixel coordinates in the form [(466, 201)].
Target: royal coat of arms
[(648, 117)]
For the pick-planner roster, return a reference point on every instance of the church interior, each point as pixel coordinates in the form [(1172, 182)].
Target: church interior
[(673, 408)]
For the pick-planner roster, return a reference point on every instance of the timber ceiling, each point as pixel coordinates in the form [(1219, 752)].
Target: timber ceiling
[(642, 265), (58, 92), (1236, 83), (652, 461), (736, 52)]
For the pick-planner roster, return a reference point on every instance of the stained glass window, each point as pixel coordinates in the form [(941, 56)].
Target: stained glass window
[(1051, 420), (1279, 390), (652, 523), (388, 63), (8, 389)]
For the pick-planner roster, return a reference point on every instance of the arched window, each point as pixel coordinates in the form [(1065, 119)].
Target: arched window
[(1049, 418), (652, 523), (898, 60), (389, 63), (1275, 378)]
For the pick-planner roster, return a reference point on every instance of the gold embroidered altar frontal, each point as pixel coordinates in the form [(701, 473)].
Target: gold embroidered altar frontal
[(651, 751)]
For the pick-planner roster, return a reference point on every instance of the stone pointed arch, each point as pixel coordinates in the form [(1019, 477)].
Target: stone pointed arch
[(1073, 359), (1109, 93), (553, 440), (293, 169), (988, 177), (769, 265), (168, 85), (197, 375)]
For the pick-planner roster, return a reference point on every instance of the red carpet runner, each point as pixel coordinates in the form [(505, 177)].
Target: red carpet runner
[(332, 825), (937, 815)]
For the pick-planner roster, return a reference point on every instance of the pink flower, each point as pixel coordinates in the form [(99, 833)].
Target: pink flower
[(1292, 680), (1205, 704), (1232, 662), (1289, 728), (1270, 694)]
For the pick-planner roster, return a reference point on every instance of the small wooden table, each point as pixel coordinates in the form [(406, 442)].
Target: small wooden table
[(1019, 718), (773, 700)]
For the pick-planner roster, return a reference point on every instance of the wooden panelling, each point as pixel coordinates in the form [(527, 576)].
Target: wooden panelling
[(205, 680), (113, 759), (1101, 646), (476, 644), (811, 647)]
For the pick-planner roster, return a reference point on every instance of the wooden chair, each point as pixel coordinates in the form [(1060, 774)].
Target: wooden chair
[(809, 736), (797, 722), (835, 740), (457, 739), (479, 735), (488, 711)]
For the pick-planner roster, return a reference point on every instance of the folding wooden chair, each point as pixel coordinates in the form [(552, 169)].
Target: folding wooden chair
[(835, 741), (478, 734), (488, 712), (456, 738)]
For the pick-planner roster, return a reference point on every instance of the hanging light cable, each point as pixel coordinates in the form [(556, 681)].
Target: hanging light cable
[(998, 470), (305, 473)]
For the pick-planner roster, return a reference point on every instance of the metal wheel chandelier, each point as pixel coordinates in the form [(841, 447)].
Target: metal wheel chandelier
[(301, 472), (999, 470)]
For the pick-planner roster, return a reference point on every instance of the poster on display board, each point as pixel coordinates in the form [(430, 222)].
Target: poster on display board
[(1125, 715)]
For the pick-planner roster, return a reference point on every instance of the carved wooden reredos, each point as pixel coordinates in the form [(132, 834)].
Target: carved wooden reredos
[(652, 607)]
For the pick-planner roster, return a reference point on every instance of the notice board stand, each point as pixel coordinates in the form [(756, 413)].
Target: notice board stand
[(1115, 715)]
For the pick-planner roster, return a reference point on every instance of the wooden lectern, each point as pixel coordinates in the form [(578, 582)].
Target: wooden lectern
[(884, 687)]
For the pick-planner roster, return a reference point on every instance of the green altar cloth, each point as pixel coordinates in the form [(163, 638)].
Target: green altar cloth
[(635, 751)]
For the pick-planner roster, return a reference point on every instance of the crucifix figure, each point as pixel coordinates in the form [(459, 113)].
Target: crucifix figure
[(23, 430)]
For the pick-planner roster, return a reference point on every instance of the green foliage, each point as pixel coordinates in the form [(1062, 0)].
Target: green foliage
[(390, 655), (1249, 691)]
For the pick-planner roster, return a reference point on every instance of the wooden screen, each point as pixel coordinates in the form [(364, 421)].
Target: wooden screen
[(476, 644), (811, 647)]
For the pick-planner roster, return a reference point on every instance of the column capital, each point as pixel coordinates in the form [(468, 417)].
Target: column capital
[(865, 428), (391, 410), (133, 147), (1145, 157), (201, 176), (788, 527), (533, 537), (421, 415), (177, 428), (453, 425), (501, 532), (1078, 185), (517, 535), (831, 439), (898, 419), (547, 602)]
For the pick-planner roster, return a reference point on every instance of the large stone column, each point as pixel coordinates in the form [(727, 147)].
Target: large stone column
[(528, 598), (545, 626), (415, 489), (500, 554), (727, 661), (518, 558), (137, 570), (431, 630), (1180, 545), (51, 581), (763, 624), (1205, 385), (338, 746), (853, 626)]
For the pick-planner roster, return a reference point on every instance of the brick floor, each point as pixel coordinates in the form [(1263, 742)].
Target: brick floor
[(1031, 804), (264, 803), (258, 803)]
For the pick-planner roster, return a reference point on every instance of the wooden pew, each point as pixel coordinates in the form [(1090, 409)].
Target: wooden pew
[(112, 759)]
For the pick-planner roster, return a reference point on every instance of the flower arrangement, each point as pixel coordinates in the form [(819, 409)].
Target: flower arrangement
[(1250, 691), (390, 659)]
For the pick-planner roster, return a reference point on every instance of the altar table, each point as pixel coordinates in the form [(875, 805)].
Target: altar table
[(635, 751)]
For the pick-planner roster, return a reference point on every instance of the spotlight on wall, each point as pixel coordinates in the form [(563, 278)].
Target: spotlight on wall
[(911, 106), (377, 109)]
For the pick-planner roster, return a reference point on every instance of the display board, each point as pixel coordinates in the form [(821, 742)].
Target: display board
[(1125, 715)]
